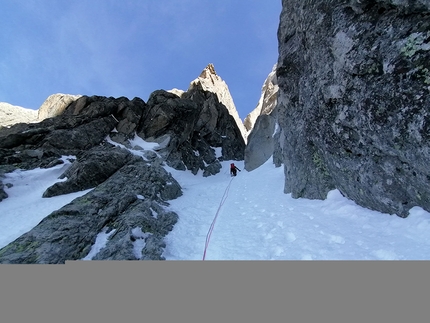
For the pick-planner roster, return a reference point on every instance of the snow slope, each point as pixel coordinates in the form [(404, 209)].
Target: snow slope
[(255, 219), (25, 207), (259, 222)]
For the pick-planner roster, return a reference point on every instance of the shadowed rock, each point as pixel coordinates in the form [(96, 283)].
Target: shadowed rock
[(267, 102), (353, 101), (92, 168), (68, 233), (261, 142), (190, 127)]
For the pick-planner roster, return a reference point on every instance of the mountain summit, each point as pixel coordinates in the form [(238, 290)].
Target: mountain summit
[(209, 80)]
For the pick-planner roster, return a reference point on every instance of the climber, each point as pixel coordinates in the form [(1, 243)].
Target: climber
[(233, 169)]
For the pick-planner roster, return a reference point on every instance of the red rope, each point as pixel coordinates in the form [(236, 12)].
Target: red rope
[(208, 236)]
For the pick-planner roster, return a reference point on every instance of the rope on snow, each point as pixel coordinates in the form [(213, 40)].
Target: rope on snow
[(208, 236)]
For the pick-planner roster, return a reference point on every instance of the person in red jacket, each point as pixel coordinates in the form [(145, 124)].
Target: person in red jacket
[(233, 169)]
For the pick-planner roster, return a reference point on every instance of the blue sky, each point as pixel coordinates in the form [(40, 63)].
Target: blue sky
[(134, 47)]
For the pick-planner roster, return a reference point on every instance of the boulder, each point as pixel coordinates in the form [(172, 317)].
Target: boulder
[(144, 224), (216, 125), (85, 123), (129, 114)]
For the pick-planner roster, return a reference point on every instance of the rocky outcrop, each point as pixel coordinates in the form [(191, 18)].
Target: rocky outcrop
[(91, 168), (121, 203), (210, 81), (353, 101), (130, 187), (190, 128), (216, 125), (127, 189), (12, 114), (55, 104)]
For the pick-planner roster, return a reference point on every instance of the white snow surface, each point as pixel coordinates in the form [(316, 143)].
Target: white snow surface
[(24, 207), (256, 220), (259, 222)]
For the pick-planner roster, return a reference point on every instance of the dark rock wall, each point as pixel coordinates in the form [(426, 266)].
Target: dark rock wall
[(130, 193), (191, 126), (354, 79), (68, 233)]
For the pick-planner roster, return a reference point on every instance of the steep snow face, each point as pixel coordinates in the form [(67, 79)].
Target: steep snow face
[(210, 81), (24, 207), (252, 219)]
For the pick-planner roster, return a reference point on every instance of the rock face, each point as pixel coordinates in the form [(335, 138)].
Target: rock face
[(263, 131), (121, 203), (211, 82), (55, 104), (189, 128), (261, 142), (267, 102), (130, 187), (354, 101), (12, 114)]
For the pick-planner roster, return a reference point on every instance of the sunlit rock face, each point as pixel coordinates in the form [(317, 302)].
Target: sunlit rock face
[(55, 104), (262, 128), (267, 102), (354, 101), (210, 81)]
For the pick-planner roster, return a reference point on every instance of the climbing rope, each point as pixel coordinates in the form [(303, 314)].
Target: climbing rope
[(208, 236)]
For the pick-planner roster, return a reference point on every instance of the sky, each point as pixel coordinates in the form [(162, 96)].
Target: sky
[(131, 48), (247, 217)]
